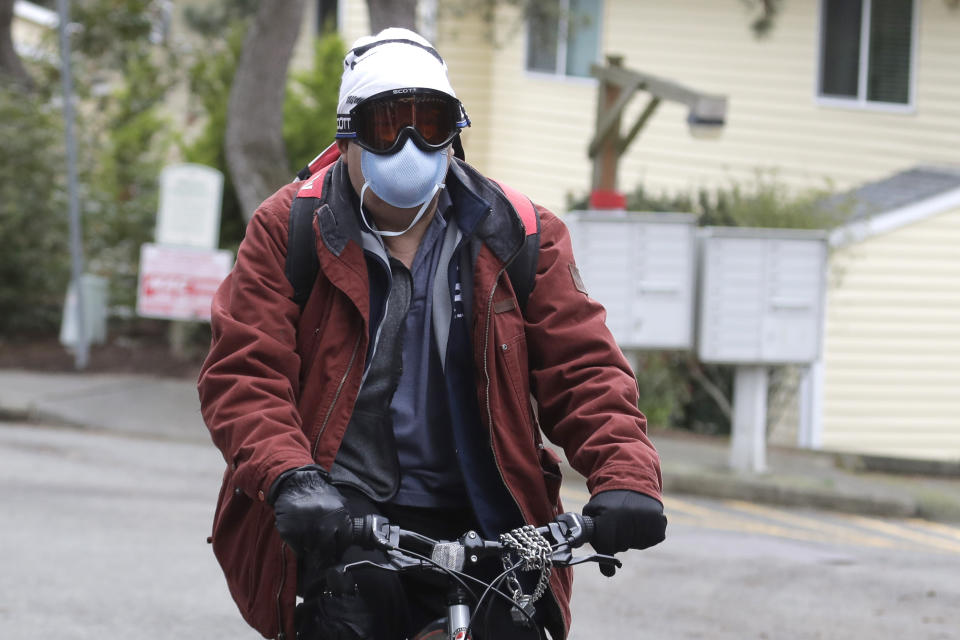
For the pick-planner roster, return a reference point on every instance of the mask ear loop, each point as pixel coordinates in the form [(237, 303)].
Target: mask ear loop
[(416, 218)]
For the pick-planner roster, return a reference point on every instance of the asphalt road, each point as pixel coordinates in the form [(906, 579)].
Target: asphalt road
[(103, 536)]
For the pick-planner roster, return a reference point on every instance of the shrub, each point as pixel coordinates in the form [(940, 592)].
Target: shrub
[(34, 225)]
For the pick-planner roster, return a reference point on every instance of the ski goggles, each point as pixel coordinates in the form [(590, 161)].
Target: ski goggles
[(384, 122)]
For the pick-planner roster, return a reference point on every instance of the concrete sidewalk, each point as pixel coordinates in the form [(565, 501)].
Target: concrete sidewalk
[(169, 409)]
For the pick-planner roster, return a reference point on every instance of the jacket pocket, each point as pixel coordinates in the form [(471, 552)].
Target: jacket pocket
[(514, 353), (552, 477), (238, 528)]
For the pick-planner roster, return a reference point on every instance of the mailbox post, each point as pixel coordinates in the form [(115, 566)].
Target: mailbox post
[(761, 299)]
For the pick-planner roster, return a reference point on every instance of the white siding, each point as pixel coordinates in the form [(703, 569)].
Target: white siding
[(892, 343), (465, 48), (355, 20), (538, 127)]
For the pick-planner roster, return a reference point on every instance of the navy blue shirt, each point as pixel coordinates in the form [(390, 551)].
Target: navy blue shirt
[(429, 469)]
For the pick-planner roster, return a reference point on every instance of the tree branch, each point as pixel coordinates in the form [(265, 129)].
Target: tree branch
[(708, 385)]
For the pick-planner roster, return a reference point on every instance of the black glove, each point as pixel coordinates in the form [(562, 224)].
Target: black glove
[(625, 520), (311, 514)]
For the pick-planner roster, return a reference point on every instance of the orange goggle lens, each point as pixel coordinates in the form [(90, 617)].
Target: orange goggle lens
[(380, 122)]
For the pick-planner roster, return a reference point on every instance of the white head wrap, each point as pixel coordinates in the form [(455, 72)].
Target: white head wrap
[(393, 59)]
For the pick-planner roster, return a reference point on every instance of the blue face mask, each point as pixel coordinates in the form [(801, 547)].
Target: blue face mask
[(403, 179)]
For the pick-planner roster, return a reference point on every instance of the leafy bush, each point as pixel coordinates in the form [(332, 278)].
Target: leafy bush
[(34, 225), (120, 81), (126, 145), (764, 201), (310, 111), (209, 80)]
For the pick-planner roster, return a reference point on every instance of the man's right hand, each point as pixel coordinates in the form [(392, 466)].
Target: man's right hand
[(311, 514)]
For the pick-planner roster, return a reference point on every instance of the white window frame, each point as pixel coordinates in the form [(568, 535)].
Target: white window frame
[(562, 30), (861, 102)]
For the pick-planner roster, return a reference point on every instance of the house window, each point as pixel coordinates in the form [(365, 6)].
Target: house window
[(866, 50), (563, 36), (327, 15)]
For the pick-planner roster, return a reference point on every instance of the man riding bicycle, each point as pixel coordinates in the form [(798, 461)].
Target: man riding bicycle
[(415, 378)]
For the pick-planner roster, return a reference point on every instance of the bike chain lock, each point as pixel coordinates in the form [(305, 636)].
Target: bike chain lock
[(534, 550)]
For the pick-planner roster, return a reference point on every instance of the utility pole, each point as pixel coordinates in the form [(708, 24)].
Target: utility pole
[(76, 235)]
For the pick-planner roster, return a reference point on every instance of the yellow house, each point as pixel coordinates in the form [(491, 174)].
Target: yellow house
[(889, 379), (840, 92)]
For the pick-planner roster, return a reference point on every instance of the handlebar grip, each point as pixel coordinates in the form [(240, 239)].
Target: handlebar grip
[(588, 528), (369, 531), (358, 531)]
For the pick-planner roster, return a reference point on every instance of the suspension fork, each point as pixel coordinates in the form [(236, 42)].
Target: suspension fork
[(458, 614)]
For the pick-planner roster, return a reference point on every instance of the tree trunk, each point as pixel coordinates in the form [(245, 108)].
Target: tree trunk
[(392, 13), (11, 68), (254, 139)]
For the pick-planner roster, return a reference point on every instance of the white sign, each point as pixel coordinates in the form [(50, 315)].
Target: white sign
[(189, 211), (178, 283), (761, 295), (641, 267)]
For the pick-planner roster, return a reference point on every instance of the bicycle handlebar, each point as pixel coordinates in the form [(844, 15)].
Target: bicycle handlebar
[(538, 549), (567, 532)]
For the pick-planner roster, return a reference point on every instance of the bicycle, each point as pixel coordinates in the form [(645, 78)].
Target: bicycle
[(525, 549)]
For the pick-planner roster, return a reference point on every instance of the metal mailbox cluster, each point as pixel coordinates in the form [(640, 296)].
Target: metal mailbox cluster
[(737, 295), (747, 297)]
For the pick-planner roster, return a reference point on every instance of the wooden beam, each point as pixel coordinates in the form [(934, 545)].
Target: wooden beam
[(611, 117), (638, 125)]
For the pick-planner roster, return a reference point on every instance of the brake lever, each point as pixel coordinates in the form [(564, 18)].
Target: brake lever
[(396, 562), (608, 564)]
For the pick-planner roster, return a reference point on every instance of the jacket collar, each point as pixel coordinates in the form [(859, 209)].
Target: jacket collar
[(484, 211), (337, 214)]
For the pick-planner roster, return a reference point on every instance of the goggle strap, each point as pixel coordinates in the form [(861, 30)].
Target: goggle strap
[(359, 51)]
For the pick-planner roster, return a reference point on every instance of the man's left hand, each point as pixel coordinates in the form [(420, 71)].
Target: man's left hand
[(625, 520)]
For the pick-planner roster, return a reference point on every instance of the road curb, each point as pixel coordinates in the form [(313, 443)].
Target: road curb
[(729, 487)]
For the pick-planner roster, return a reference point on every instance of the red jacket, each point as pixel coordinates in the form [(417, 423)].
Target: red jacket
[(278, 386)]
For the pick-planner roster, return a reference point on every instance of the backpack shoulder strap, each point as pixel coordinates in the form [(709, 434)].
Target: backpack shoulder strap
[(301, 264), (523, 269)]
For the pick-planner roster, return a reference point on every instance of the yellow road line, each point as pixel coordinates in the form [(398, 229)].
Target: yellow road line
[(812, 530), (717, 519), (936, 528), (832, 532), (906, 533)]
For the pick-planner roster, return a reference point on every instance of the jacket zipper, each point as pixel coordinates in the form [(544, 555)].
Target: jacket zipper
[(333, 403), (281, 634), (316, 443), (486, 373)]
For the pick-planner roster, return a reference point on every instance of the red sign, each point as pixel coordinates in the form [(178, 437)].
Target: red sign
[(178, 283)]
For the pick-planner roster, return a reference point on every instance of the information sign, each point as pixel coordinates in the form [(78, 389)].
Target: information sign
[(190, 201), (178, 283)]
